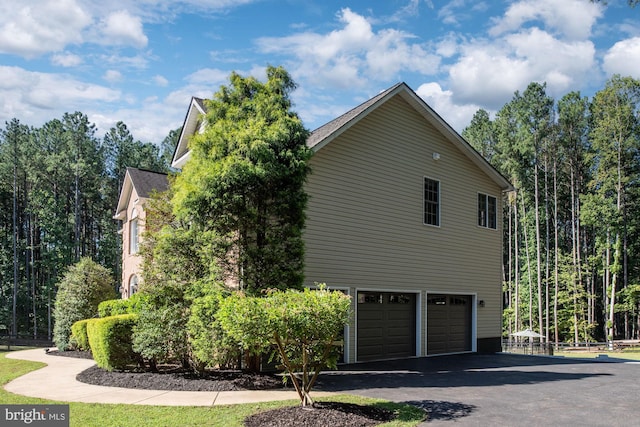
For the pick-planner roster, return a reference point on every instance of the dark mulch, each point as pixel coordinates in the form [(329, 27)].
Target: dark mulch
[(173, 378), (181, 381), (322, 414)]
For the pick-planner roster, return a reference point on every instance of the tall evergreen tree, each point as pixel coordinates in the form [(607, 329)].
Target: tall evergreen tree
[(245, 180), (615, 137)]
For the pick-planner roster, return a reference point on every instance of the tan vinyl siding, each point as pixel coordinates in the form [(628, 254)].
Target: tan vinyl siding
[(365, 215)]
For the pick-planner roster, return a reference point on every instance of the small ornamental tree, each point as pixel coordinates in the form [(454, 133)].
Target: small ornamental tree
[(84, 286), (304, 326)]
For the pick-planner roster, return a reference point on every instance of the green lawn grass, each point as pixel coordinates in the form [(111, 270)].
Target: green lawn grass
[(629, 354), (108, 415)]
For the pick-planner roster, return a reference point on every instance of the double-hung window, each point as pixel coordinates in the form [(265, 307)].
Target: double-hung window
[(487, 211), (133, 233), (431, 202)]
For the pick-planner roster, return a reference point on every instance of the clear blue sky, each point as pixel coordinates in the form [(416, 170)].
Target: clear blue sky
[(140, 61)]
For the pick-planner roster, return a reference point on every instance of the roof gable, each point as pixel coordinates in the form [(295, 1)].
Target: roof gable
[(144, 182), (330, 131), (190, 127)]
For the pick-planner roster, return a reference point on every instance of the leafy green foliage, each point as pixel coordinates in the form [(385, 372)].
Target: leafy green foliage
[(67, 185), (481, 134), (84, 286), (160, 335), (212, 347), (244, 182), (79, 334), (110, 341), (303, 325), (114, 307)]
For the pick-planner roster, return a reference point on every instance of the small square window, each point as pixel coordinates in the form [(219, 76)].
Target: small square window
[(431, 202)]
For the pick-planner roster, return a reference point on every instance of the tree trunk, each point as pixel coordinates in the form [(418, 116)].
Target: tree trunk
[(516, 244), (556, 334), (538, 250), (526, 244)]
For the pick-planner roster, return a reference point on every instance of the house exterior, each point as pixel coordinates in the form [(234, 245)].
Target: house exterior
[(137, 187), (404, 216)]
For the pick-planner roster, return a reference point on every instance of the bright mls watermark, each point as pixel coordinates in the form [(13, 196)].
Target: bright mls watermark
[(34, 415)]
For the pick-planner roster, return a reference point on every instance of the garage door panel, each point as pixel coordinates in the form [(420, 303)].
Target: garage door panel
[(370, 315), (448, 323), (386, 325)]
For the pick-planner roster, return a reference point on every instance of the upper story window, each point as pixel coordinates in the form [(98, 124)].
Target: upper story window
[(431, 202), (133, 233), (487, 211)]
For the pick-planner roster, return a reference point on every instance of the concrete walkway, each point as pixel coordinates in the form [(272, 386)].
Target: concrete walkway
[(57, 381)]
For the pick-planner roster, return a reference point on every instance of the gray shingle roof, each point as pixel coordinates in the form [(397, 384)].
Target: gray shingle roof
[(145, 182)]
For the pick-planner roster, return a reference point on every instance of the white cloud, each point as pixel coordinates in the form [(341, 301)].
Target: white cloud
[(624, 58), (112, 76), (571, 18), (138, 61), (488, 77), (488, 73), (457, 115), (352, 55), (66, 60), (35, 97), (208, 77), (447, 46), (156, 116), (160, 80), (29, 29), (122, 28), (411, 9), (548, 57), (448, 13)]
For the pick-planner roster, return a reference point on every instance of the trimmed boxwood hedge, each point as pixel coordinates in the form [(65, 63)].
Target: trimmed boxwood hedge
[(110, 341), (114, 307), (79, 334)]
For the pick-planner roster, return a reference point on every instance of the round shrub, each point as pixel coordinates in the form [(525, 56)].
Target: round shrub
[(84, 286)]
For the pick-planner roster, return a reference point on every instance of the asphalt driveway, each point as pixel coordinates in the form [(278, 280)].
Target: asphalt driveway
[(501, 389)]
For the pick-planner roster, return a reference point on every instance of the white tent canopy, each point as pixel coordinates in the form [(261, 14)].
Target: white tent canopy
[(527, 333)]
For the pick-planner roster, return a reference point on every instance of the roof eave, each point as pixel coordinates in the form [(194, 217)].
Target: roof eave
[(196, 108), (123, 200)]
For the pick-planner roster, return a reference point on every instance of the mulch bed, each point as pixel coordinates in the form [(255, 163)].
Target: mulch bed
[(321, 414), (171, 377)]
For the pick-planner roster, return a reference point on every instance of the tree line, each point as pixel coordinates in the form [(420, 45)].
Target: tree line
[(571, 228), (59, 186)]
